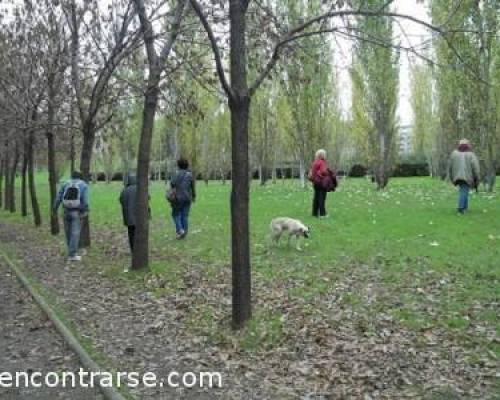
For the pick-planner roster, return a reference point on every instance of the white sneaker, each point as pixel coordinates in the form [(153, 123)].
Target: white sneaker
[(75, 258)]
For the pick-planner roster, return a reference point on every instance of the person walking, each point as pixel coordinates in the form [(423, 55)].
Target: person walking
[(181, 194), (464, 173), (128, 198), (323, 180), (73, 195)]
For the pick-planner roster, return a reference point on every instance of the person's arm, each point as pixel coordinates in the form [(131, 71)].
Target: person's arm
[(84, 199), (173, 181), (193, 188), (450, 169), (58, 200), (476, 171)]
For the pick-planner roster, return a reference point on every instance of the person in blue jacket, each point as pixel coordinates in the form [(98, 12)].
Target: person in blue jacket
[(74, 197)]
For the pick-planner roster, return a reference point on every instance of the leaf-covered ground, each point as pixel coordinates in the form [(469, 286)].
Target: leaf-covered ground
[(394, 296)]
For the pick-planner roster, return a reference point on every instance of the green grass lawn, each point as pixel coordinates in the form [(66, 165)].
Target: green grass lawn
[(407, 239)]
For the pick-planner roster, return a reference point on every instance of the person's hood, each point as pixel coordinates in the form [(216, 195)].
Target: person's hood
[(131, 180)]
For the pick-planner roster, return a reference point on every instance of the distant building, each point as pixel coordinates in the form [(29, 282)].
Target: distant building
[(405, 139)]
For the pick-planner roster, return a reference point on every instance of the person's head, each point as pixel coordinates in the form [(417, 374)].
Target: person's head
[(464, 145), (76, 175), (131, 180), (182, 163), (320, 155)]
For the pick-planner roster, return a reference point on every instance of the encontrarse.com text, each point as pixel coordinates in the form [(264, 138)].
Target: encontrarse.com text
[(91, 379)]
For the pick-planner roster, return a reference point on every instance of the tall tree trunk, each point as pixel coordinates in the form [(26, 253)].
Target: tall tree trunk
[(265, 153), (24, 200), (85, 161), (239, 105), (6, 173), (72, 150), (37, 218), (302, 171), (2, 169), (51, 160), (12, 183), (240, 226), (140, 258), (51, 152), (381, 168)]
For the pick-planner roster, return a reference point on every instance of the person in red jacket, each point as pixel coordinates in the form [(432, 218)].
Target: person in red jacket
[(318, 174)]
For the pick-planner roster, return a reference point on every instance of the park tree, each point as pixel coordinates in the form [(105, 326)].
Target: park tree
[(156, 66), (466, 89), (309, 84), (485, 22), (379, 78), (100, 41), (51, 40), (263, 130), (23, 91), (422, 103)]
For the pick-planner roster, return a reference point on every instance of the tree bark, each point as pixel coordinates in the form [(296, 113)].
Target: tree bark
[(6, 173), (2, 169), (302, 172), (72, 150), (12, 181), (37, 218), (85, 161), (239, 104), (54, 221), (240, 226), (140, 257), (24, 194)]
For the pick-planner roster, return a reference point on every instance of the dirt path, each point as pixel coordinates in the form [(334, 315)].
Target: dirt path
[(29, 343), (135, 331)]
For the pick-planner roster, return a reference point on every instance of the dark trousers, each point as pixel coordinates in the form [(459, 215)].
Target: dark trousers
[(463, 197), (319, 202), (180, 215), (131, 236)]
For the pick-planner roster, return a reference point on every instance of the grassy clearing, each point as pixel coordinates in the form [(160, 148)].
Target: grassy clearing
[(404, 252)]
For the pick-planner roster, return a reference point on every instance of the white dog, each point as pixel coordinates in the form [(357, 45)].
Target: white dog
[(292, 226)]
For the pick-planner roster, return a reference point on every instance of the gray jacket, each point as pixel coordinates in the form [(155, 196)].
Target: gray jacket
[(464, 167), (128, 201), (183, 183)]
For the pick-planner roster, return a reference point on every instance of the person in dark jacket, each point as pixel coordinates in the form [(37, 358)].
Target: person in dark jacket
[(183, 185), (128, 198)]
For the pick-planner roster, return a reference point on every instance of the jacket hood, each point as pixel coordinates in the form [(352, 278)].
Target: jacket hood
[(464, 147)]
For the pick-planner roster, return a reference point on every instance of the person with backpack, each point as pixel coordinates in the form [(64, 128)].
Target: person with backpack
[(180, 195), (464, 172), (324, 180), (73, 195)]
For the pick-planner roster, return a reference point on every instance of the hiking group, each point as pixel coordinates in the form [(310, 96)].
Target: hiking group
[(463, 172)]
